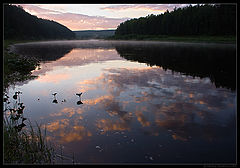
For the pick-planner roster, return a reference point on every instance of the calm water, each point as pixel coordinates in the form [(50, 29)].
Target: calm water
[(142, 102)]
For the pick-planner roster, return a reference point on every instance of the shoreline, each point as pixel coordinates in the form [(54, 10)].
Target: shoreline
[(112, 42), (141, 38), (189, 39)]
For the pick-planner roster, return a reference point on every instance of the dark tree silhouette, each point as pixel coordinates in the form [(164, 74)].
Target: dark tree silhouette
[(206, 20), (18, 24)]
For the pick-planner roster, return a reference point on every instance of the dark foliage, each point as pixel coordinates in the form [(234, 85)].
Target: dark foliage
[(213, 20), (18, 66), (20, 25)]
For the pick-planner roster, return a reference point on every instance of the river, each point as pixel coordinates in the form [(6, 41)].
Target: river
[(141, 102)]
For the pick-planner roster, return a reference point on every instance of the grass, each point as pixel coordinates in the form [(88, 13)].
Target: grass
[(208, 39), (22, 145), (26, 146)]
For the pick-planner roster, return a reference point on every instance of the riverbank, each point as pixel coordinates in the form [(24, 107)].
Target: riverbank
[(21, 145), (159, 38), (16, 68), (193, 39)]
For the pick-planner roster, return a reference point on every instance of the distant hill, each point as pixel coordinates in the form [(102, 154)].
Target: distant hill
[(93, 34), (20, 25)]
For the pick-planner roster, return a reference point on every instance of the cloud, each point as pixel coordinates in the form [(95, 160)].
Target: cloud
[(111, 125), (148, 7), (76, 57), (75, 21), (80, 21), (83, 22), (67, 129), (177, 117), (142, 119), (36, 10), (67, 111), (155, 98), (54, 78), (154, 108)]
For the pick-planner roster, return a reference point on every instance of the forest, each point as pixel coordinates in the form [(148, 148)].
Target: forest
[(20, 25), (204, 20)]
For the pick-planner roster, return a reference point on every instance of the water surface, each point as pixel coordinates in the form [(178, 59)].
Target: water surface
[(142, 102)]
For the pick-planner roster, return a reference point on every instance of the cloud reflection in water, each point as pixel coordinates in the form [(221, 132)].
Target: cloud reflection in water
[(156, 99), (123, 98)]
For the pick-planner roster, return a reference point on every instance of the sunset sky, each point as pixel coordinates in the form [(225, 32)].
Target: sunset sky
[(95, 16)]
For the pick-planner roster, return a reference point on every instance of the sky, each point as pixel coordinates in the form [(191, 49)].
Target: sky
[(95, 16)]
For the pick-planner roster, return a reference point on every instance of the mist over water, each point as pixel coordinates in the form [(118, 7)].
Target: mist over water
[(141, 102)]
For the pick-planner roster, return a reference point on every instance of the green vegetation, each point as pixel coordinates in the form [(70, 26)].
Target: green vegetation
[(23, 145), (16, 68), (20, 146), (94, 34), (192, 23), (27, 146), (20, 25)]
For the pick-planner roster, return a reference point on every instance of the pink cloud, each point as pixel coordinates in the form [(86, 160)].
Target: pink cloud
[(75, 21), (84, 22), (37, 10), (54, 78), (151, 7)]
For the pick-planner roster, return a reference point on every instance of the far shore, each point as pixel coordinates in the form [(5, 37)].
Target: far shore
[(190, 39), (207, 40)]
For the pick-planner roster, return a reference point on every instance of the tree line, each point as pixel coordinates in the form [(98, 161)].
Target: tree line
[(213, 20), (20, 25)]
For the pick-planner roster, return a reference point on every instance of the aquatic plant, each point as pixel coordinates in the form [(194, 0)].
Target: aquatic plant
[(54, 100), (79, 102)]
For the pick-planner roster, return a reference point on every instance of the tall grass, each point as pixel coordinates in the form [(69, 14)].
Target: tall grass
[(27, 146), (21, 144)]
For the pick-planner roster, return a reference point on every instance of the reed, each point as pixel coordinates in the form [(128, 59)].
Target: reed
[(24, 143), (28, 146)]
